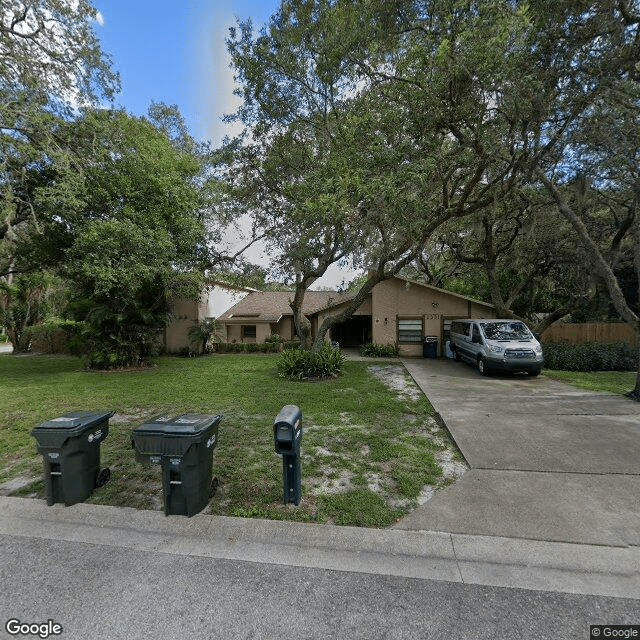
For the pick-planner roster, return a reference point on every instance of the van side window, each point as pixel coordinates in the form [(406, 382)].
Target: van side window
[(463, 328), (476, 333)]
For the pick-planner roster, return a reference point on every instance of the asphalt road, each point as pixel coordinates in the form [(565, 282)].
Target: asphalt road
[(103, 592)]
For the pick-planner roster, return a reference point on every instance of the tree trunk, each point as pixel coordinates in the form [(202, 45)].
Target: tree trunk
[(300, 321), (603, 269)]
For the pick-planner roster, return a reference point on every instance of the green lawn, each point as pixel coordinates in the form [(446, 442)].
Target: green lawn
[(619, 382), (366, 452)]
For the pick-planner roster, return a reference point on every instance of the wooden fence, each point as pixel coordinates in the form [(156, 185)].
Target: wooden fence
[(590, 332)]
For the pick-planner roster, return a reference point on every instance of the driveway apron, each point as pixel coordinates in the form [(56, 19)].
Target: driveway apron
[(547, 461)]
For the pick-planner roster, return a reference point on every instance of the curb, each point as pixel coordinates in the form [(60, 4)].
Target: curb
[(423, 555)]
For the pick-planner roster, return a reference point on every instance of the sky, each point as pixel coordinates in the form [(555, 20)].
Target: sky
[(174, 52)]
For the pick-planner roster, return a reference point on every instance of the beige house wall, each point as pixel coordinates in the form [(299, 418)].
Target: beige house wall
[(394, 299), (214, 300), (176, 335), (234, 333), (284, 328)]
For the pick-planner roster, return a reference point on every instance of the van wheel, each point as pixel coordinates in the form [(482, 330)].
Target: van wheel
[(533, 373), (482, 367)]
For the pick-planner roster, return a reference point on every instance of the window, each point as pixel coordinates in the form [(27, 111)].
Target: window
[(506, 331), (461, 327), (248, 330), (409, 329)]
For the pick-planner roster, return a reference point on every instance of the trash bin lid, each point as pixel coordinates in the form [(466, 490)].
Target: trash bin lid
[(187, 424), (73, 424)]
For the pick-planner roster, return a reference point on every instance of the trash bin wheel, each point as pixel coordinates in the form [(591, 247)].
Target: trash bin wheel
[(103, 477)]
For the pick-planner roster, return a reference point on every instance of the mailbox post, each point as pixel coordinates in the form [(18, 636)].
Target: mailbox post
[(287, 433)]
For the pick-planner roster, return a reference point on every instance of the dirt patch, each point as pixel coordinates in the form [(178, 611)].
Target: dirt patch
[(397, 380), (451, 469), (132, 415)]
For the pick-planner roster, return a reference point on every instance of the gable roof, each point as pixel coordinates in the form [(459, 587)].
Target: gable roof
[(271, 306), (445, 291)]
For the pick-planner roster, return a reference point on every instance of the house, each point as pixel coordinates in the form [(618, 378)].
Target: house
[(216, 298), (263, 313), (397, 311)]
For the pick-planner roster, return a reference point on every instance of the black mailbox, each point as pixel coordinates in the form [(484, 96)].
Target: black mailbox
[(287, 433), (287, 430)]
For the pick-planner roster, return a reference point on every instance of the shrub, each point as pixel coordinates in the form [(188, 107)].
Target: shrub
[(379, 350), (53, 336), (590, 356), (298, 364), (246, 347), (292, 344)]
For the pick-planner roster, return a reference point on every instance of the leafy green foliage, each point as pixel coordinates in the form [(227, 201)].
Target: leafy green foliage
[(50, 62), (590, 356), (379, 350), (134, 237), (202, 332), (25, 302), (246, 347), (300, 364), (55, 335)]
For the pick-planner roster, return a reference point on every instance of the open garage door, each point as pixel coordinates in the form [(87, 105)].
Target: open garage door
[(353, 332)]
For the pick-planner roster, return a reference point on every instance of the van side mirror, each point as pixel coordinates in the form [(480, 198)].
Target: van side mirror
[(476, 339)]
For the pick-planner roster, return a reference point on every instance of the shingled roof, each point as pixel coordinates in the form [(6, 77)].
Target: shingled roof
[(271, 306)]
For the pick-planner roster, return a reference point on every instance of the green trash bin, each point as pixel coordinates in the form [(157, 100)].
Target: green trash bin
[(183, 446), (70, 449)]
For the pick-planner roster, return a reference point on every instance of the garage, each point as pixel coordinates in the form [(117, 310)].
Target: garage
[(353, 332)]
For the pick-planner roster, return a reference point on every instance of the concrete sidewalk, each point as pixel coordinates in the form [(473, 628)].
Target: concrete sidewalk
[(548, 461), (468, 559)]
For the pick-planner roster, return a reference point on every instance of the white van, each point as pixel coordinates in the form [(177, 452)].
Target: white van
[(506, 345)]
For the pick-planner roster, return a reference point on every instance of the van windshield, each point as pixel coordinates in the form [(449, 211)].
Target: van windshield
[(506, 331)]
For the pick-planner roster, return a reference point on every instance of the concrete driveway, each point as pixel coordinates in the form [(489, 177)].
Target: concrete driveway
[(548, 461)]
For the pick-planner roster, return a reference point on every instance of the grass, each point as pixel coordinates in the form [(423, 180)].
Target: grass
[(619, 382), (367, 453)]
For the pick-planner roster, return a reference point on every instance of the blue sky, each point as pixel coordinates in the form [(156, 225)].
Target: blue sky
[(174, 52)]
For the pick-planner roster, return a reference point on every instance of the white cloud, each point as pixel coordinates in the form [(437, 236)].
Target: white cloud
[(99, 18)]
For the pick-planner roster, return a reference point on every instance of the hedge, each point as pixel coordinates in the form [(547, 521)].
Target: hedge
[(246, 347), (379, 350), (590, 356), (53, 336)]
